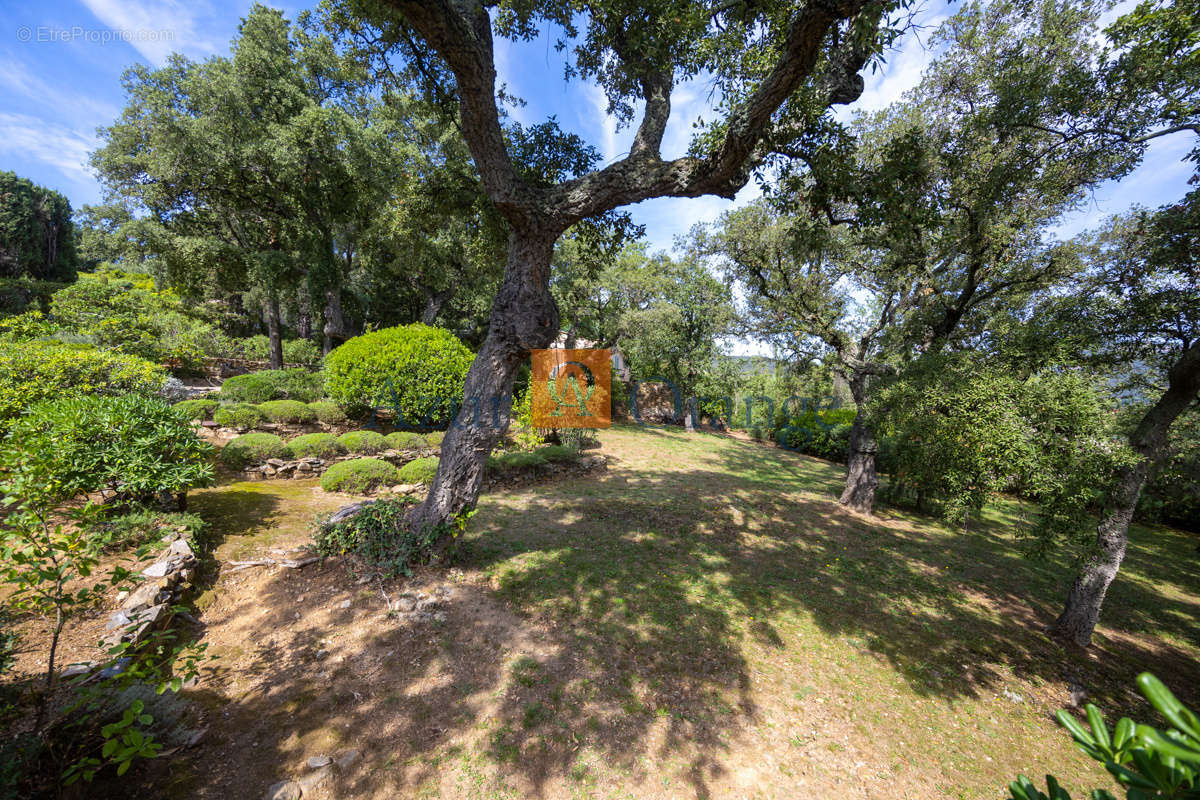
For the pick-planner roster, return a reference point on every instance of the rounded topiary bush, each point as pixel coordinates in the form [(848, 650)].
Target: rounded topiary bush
[(287, 411), (419, 470), (274, 384), (328, 412), (435, 438), (365, 442), (196, 409), (415, 370), (237, 415), (253, 448), (406, 440), (515, 459), (316, 445), (359, 476)]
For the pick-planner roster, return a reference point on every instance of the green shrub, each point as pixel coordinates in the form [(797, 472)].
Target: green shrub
[(419, 470), (139, 448), (515, 459), (328, 412), (196, 409), (365, 442), (253, 448), (238, 415), (45, 370), (1150, 763), (557, 452), (379, 536), (23, 327), (435, 438), (415, 370), (144, 527), (258, 348), (274, 384), (316, 445), (287, 411), (406, 440), (359, 476)]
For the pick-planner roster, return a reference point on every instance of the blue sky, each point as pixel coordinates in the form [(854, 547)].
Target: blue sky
[(61, 63)]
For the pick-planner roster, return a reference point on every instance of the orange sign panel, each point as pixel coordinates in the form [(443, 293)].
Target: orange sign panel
[(572, 388)]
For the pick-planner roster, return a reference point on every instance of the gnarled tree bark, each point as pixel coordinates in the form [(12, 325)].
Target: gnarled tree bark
[(1149, 439)]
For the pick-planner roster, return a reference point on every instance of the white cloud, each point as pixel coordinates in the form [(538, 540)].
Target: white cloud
[(34, 139), (604, 122), (156, 28), (18, 79)]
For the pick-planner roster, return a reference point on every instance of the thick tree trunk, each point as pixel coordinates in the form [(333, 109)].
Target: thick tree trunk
[(1082, 612), (274, 335), (433, 305), (524, 317), (335, 321), (861, 478)]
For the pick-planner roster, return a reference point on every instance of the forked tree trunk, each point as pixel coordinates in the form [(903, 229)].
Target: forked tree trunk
[(524, 317), (1082, 612), (861, 478), (274, 336)]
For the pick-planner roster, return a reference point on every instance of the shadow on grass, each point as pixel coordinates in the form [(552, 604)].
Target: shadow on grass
[(635, 611)]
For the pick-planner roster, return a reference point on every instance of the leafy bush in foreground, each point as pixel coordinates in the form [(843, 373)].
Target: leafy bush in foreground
[(238, 415), (31, 372), (415, 370), (1151, 764), (287, 411), (274, 384), (137, 447), (144, 527), (253, 448), (419, 470), (364, 442), (316, 445), (328, 412), (196, 409), (359, 476), (377, 534)]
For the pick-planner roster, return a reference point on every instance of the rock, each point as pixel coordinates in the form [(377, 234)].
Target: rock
[(142, 597), (195, 738), (408, 488), (439, 616), (158, 570), (284, 790), (347, 759), (405, 603), (77, 669), (208, 423), (118, 620), (316, 762), (121, 595), (313, 779), (344, 604), (269, 471), (1078, 694), (276, 462), (115, 669), (1013, 696), (181, 547), (304, 466)]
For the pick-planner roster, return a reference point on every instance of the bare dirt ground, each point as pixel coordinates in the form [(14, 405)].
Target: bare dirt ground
[(702, 620)]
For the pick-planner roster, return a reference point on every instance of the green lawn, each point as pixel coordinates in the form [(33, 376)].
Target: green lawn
[(710, 597)]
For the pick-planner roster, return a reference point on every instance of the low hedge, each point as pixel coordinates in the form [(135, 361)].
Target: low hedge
[(364, 442), (196, 409), (419, 470), (435, 438), (328, 412), (292, 411), (406, 440), (359, 476), (237, 415), (316, 445), (253, 448), (557, 452), (515, 459), (274, 384)]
